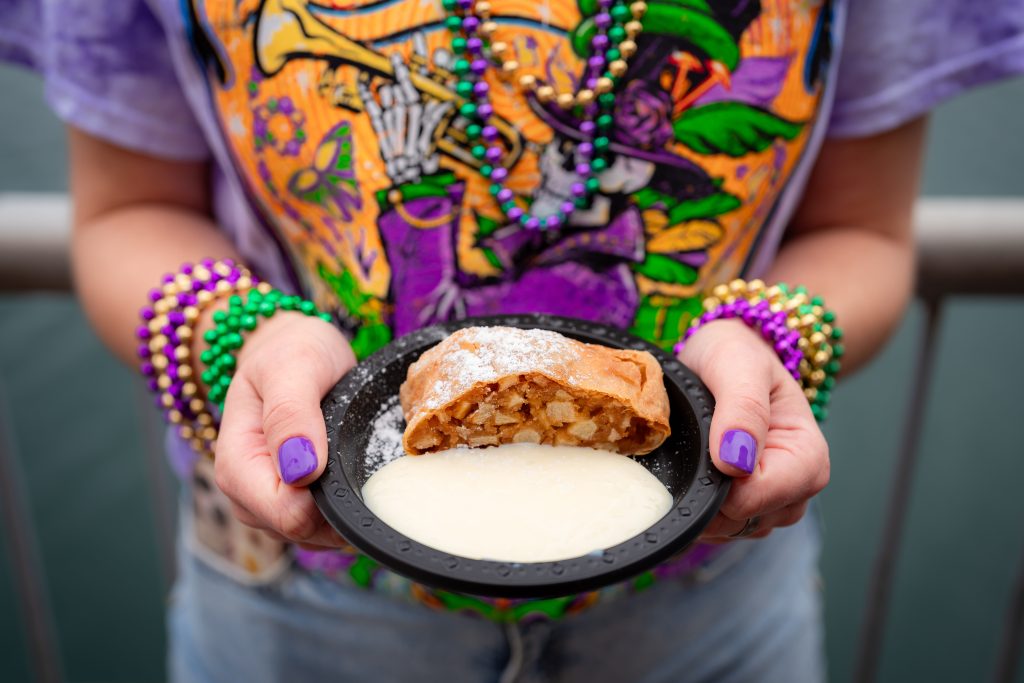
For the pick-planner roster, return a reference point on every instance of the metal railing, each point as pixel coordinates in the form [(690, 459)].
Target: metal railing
[(966, 246)]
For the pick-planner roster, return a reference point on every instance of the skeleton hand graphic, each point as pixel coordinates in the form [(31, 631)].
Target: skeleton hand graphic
[(405, 124)]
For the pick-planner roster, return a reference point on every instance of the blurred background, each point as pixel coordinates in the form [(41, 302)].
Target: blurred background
[(87, 503)]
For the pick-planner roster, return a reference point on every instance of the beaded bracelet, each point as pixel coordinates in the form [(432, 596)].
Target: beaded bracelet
[(165, 342), (242, 316), (798, 326)]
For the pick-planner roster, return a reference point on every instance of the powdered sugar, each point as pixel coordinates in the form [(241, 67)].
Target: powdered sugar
[(385, 442), (485, 354), (471, 355)]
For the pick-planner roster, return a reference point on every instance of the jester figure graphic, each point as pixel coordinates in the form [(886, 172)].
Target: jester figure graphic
[(371, 180)]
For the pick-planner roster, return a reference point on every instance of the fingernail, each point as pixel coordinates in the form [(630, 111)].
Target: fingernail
[(739, 449), (297, 459)]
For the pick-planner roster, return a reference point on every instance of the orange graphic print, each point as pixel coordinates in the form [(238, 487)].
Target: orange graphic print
[(346, 124)]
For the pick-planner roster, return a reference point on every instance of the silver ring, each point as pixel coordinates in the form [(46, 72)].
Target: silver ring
[(749, 528)]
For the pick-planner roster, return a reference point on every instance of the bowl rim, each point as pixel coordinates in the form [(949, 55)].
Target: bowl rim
[(340, 502)]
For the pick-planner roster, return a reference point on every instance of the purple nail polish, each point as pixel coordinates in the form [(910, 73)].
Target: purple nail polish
[(297, 459), (738, 449)]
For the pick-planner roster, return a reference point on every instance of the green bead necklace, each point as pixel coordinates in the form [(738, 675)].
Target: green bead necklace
[(616, 26)]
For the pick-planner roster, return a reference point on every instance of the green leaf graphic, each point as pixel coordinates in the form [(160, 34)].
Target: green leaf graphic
[(661, 320), (687, 209), (485, 226), (705, 207), (732, 128), (688, 20), (592, 7), (665, 269)]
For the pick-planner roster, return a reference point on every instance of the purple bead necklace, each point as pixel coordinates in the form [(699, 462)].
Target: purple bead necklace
[(614, 28)]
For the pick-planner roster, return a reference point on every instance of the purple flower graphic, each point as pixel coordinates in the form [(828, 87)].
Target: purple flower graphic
[(643, 116)]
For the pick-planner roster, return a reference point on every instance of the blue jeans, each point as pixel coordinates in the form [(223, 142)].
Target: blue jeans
[(753, 614)]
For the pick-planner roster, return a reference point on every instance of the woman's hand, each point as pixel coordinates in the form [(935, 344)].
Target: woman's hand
[(272, 440), (762, 432)]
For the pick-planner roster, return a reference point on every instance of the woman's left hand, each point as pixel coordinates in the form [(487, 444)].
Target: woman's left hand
[(762, 432)]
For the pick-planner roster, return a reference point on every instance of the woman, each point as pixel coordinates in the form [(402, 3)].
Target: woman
[(401, 163)]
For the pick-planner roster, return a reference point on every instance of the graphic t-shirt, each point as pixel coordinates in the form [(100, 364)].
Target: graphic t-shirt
[(350, 163), (345, 169), (348, 128)]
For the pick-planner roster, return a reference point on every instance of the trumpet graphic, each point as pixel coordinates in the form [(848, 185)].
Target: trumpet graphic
[(287, 30)]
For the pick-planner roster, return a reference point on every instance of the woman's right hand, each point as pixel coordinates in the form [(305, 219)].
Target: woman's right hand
[(272, 442)]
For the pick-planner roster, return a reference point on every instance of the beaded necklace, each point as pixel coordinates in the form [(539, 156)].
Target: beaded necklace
[(615, 28)]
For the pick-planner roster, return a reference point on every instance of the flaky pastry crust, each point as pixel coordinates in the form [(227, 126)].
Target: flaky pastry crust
[(485, 386)]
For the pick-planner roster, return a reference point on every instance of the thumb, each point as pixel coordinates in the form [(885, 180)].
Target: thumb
[(739, 378)]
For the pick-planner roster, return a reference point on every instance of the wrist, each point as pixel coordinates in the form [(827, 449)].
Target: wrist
[(262, 306), (796, 326), (285, 323), (168, 335), (727, 331)]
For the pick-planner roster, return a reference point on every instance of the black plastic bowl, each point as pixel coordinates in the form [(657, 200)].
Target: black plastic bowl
[(682, 463)]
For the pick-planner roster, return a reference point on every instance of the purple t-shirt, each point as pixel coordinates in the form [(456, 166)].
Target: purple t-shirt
[(388, 221), (347, 165)]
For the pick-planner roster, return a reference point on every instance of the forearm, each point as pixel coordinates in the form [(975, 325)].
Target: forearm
[(864, 276), (119, 255), (135, 218), (851, 241)]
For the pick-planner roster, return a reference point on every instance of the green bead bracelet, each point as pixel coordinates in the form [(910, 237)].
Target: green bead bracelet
[(227, 336)]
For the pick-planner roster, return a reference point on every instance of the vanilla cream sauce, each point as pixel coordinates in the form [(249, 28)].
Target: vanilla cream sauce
[(517, 502)]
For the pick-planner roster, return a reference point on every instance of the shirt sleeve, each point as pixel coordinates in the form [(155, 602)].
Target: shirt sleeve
[(901, 58), (107, 70)]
